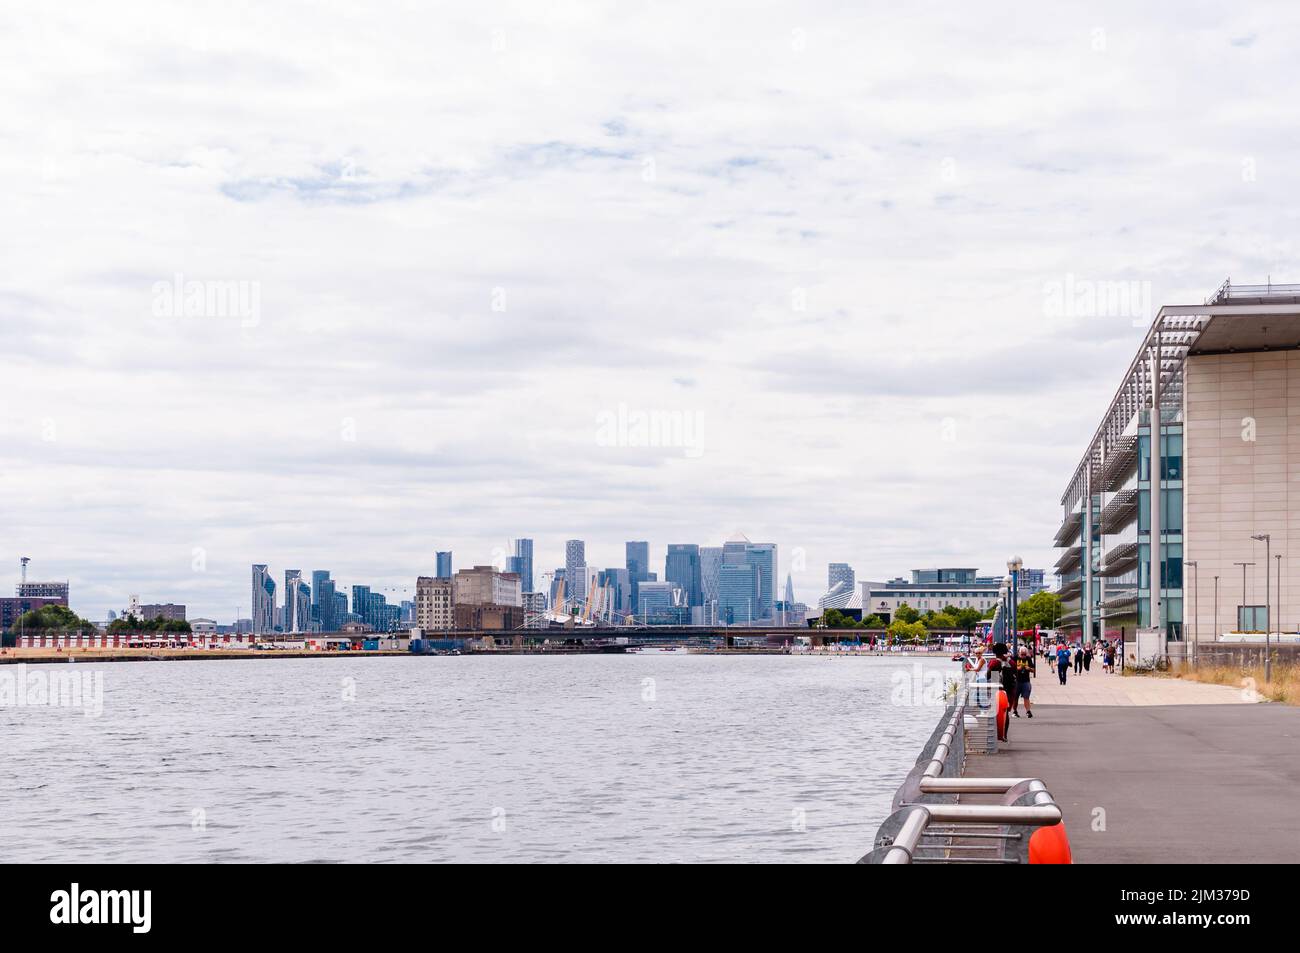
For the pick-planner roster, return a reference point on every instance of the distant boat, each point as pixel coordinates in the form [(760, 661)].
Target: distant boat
[(658, 650)]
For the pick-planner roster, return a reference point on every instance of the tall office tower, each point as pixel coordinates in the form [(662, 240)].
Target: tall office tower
[(789, 591), (263, 600), (300, 597), (710, 566), (575, 569), (738, 593), (361, 604), (289, 620), (577, 582), (323, 604), (682, 569), (638, 568), (617, 587), (734, 549), (318, 576), (444, 565), (524, 564), (340, 611), (840, 572), (763, 557), (559, 582)]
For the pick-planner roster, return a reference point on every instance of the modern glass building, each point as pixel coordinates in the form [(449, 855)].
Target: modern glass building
[(444, 565), (682, 569), (840, 572), (522, 563), (638, 567), (262, 608), (1191, 466), (738, 593)]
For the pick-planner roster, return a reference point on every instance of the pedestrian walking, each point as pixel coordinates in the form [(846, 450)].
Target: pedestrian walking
[(1062, 662), (1087, 657), (1024, 687), (1006, 675), (1078, 660)]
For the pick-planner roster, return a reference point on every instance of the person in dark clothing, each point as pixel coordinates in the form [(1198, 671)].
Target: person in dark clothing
[(1087, 658), (1004, 671), (1024, 687), (1078, 660)]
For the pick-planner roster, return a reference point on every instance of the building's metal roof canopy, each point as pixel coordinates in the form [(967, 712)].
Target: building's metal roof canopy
[(1236, 318)]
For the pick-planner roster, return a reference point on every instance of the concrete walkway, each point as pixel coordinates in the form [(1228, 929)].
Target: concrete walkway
[(1098, 688), (1144, 782)]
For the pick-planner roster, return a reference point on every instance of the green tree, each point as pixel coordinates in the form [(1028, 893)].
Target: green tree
[(901, 631), (905, 613), (873, 622), (938, 620), (1042, 608), (57, 618), (965, 618)]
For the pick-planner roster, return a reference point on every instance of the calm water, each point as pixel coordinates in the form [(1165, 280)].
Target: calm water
[(464, 759)]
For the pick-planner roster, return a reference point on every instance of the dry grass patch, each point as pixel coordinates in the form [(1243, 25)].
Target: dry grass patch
[(1284, 686)]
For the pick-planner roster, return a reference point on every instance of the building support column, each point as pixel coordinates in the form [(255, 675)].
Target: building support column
[(1157, 548), (1085, 599)]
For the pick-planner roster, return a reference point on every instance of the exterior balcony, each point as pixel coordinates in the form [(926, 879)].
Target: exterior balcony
[(1069, 559), (1120, 512), (1119, 560), (1069, 530), (1121, 462)]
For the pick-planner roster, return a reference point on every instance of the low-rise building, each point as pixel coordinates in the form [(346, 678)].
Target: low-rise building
[(168, 610), (929, 589), (434, 605), (486, 599)]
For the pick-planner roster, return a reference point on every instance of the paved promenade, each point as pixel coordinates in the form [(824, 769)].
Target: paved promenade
[(1098, 688), (1211, 780)]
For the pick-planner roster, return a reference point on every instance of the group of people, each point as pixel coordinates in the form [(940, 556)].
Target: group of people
[(1017, 670), (1080, 657)]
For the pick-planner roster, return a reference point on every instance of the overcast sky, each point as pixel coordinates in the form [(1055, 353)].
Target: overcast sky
[(479, 246)]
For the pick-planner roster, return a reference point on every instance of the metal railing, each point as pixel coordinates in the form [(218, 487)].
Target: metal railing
[(929, 826)]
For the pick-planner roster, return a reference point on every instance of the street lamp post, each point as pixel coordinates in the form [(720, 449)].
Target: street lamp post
[(1278, 557), (1243, 590), (1268, 615), (1014, 564), (1216, 608), (1196, 610)]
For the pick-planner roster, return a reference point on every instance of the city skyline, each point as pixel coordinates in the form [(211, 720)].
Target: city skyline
[(402, 586)]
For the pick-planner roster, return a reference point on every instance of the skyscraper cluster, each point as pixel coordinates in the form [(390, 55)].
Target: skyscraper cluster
[(732, 584)]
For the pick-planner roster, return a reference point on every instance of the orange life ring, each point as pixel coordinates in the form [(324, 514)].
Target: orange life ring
[(1050, 845)]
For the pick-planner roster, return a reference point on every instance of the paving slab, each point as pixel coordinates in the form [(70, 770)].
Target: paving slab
[(1162, 783), (1098, 688)]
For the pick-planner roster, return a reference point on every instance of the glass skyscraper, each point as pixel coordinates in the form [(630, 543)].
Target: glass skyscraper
[(522, 563), (263, 605), (444, 566), (738, 593), (638, 568), (682, 569)]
